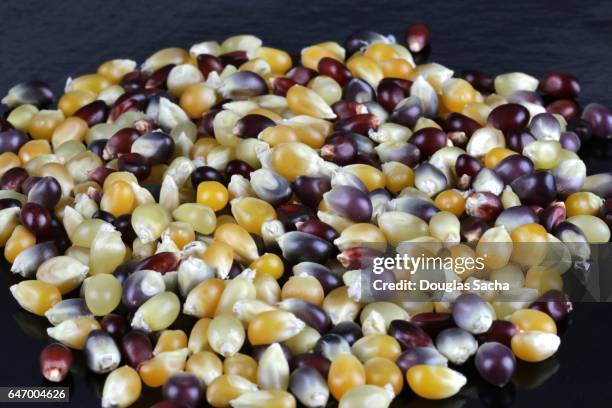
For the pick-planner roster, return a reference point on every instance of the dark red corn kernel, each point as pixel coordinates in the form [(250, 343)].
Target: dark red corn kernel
[(560, 85), (235, 58), (157, 147), (161, 262), (457, 122), (433, 323), (480, 81), (46, 192), (472, 229), (466, 168), (407, 113), (429, 140), (316, 361), (552, 215), (136, 348), (358, 257), (365, 145), (495, 363), (133, 81), (301, 75), (184, 387), (291, 214), (104, 216), (341, 150), (36, 218), (280, 86), (517, 140), (360, 124), (143, 126), (537, 188), (358, 90), (158, 79), (318, 228), (334, 69), (409, 335), (120, 143), (11, 140), (310, 189), (93, 113), (249, 126), (238, 167), (483, 205), (9, 203), (209, 63), (564, 107), (99, 174), (346, 109), (417, 37), (116, 325), (55, 362), (134, 163), (526, 96), (500, 331), (554, 303), (206, 173), (205, 125), (129, 101), (512, 167), (13, 178), (508, 117)]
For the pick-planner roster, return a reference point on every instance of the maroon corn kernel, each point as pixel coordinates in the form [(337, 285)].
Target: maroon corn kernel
[(158, 79), (28, 183), (318, 228), (205, 125), (560, 85), (472, 229), (340, 150), (310, 189), (120, 143), (390, 93), (316, 361), (564, 107), (116, 325), (346, 109), (235, 58), (291, 214), (554, 303), (55, 362), (334, 69), (133, 81), (358, 124), (301, 75), (429, 140), (129, 101), (136, 164), (552, 215), (280, 86), (500, 331), (480, 81), (11, 140), (184, 387), (13, 179), (466, 168), (238, 167), (93, 113), (36, 218), (209, 63), (99, 174), (161, 262), (136, 348), (249, 126), (46, 192), (409, 335), (432, 322), (417, 37), (517, 140), (358, 257), (508, 117), (483, 205)]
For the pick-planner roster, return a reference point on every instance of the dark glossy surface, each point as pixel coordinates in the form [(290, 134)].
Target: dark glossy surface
[(52, 40)]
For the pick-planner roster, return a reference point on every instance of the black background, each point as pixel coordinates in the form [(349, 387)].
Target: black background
[(56, 39)]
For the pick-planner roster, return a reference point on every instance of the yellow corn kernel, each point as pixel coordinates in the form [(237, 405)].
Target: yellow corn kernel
[(382, 371), (201, 218), (365, 68), (268, 264), (273, 326), (582, 203), (376, 345), (345, 372), (226, 388), (167, 56), (36, 296), (250, 213), (278, 134), (303, 287), (21, 116), (529, 244), (156, 371), (205, 365), (241, 364), (73, 128), (239, 239), (122, 388), (305, 101), (119, 199), (20, 239), (91, 82), (170, 340), (203, 300), (212, 194), (369, 175), (451, 201), (434, 382), (279, 61), (380, 52), (477, 111), (396, 68), (202, 147), (114, 70), (543, 278), (398, 176), (457, 93), (534, 346), (181, 233), (44, 123), (267, 288), (197, 99), (531, 319), (72, 101), (198, 337)]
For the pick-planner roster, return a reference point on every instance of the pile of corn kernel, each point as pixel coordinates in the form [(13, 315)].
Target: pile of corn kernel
[(196, 222)]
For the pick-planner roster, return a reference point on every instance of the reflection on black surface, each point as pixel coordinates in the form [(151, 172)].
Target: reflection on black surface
[(529, 375)]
